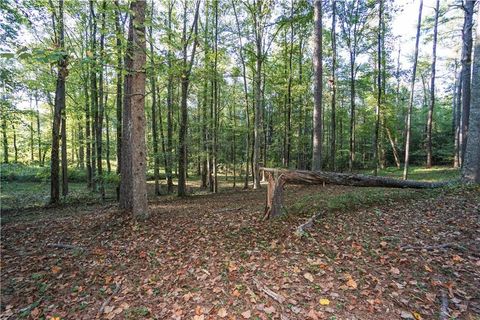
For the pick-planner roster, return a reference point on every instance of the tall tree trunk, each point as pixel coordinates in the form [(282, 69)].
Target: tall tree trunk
[(466, 74), (81, 145), (317, 87), (88, 138), (432, 88), (64, 154), (32, 158), (412, 92), (58, 108), (457, 122), (107, 137), (379, 89), (169, 154), (133, 185), (4, 130), (39, 132), (15, 147), (257, 131), (334, 88), (185, 82), (245, 92), (118, 44), (394, 149), (215, 102), (471, 165), (351, 159), (156, 155), (101, 106), (94, 94)]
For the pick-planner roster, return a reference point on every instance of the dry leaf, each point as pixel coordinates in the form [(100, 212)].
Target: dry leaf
[(56, 269), (395, 271), (269, 310), (247, 314), (308, 276), (324, 302), (351, 283), (222, 313), (199, 317), (416, 315)]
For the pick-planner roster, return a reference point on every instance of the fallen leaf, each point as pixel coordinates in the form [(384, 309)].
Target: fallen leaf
[(395, 271), (308, 276), (351, 283), (324, 302), (247, 314), (56, 269), (222, 313), (108, 309), (416, 315), (269, 310), (428, 268), (199, 317)]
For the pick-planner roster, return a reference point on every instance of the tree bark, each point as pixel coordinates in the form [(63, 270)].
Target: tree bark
[(432, 87), (119, 98), (185, 81), (334, 88), (58, 108), (277, 178), (156, 155), (471, 165), (317, 87), (412, 91), (257, 130), (379, 89), (133, 185), (64, 154), (466, 74), (169, 154), (101, 106)]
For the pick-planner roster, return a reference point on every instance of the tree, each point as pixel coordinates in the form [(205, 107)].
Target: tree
[(185, 82), (59, 102), (432, 87), (412, 91), (334, 86), (133, 185), (471, 165), (317, 87), (467, 38)]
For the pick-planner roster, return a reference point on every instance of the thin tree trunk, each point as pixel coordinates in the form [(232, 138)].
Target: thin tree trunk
[(317, 87), (334, 88), (432, 88), (379, 89), (471, 165), (4, 130), (257, 134), (107, 131), (101, 106), (39, 132), (58, 109), (64, 154), (15, 147), (215, 102), (466, 74), (118, 35), (412, 92), (133, 185), (169, 154), (185, 81), (156, 156), (245, 91), (94, 95), (457, 116)]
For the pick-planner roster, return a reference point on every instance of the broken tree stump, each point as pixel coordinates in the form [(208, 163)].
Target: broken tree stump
[(277, 178)]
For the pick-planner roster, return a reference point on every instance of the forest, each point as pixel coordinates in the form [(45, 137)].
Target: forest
[(240, 159)]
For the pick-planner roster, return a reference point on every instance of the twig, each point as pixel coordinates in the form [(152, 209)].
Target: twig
[(444, 315), (429, 248), (228, 209), (107, 301), (275, 296), (301, 228), (65, 246)]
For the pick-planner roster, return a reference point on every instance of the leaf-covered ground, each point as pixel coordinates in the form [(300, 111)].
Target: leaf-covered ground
[(373, 254)]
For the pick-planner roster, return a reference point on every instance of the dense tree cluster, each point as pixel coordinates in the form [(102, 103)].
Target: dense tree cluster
[(222, 87)]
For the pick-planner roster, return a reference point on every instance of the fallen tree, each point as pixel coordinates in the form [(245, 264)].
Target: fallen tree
[(277, 178)]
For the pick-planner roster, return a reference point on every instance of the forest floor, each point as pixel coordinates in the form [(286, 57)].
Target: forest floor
[(374, 253)]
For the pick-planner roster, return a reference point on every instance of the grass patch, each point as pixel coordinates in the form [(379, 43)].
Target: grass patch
[(432, 174)]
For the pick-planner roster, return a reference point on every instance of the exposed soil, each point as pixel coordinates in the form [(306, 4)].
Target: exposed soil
[(211, 257)]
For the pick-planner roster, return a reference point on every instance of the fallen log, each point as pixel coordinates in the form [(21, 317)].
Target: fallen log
[(277, 178)]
